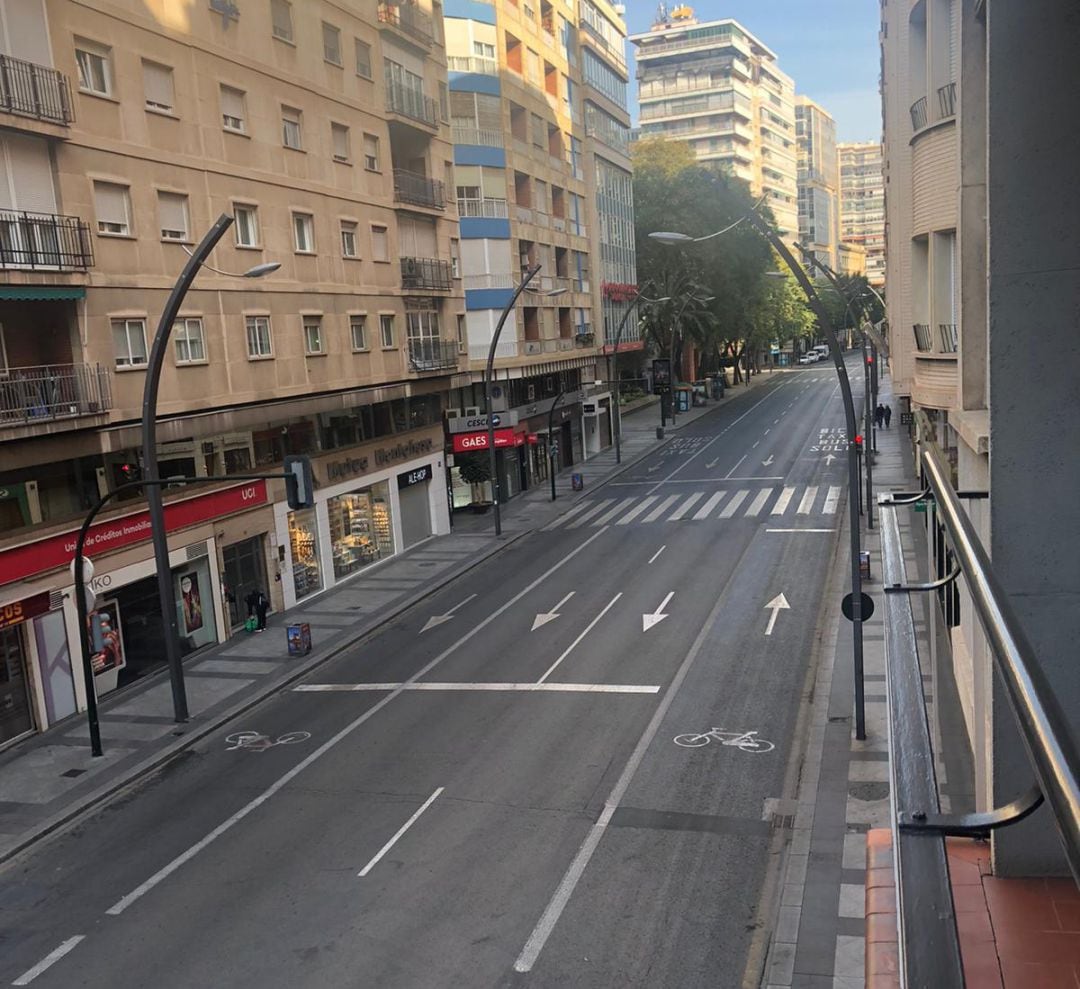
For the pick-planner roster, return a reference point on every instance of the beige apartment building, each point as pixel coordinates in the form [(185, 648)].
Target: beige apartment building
[(126, 129), (819, 192), (862, 204), (719, 88)]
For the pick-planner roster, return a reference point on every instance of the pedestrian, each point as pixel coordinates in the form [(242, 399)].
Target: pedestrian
[(262, 606), (888, 415), (879, 416)]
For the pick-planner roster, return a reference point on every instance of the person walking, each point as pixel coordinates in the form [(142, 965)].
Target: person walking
[(262, 606), (888, 415), (879, 416)]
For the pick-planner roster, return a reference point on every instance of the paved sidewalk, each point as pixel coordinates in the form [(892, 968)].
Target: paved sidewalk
[(51, 778)]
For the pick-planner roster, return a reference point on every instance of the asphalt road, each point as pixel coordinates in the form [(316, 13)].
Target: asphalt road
[(497, 799)]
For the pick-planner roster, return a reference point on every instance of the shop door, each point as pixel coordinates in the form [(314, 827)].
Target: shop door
[(566, 446), (15, 716), (245, 571), (415, 513), (54, 661)]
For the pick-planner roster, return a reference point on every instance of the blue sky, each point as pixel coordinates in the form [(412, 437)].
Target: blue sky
[(829, 47)]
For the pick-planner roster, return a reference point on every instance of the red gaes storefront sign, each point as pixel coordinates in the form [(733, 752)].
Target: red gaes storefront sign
[(467, 442), (57, 551)]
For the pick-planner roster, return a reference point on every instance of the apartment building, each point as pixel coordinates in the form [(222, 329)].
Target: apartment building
[(719, 88), (542, 176), (127, 129), (819, 185), (862, 204)]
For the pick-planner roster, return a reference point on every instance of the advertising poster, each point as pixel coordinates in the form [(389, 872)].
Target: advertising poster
[(111, 656), (191, 602)]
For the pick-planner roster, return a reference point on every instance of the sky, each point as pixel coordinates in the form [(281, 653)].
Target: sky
[(829, 47)]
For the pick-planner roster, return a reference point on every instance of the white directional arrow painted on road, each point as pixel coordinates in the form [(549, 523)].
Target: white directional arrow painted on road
[(765, 463), (439, 619), (648, 621), (829, 458), (653, 470), (713, 464), (776, 605), (549, 616)]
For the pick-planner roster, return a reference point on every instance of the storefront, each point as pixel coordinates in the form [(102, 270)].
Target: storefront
[(244, 568), (360, 529), (414, 496), (304, 550), (16, 711), (512, 464), (596, 423)]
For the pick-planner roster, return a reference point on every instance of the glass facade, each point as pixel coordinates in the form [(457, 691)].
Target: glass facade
[(615, 208), (361, 532), (304, 543)]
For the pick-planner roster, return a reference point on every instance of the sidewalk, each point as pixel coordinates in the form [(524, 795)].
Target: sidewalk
[(51, 778)]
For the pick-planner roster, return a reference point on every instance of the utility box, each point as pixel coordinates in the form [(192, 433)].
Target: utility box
[(577, 482), (299, 638), (864, 564)]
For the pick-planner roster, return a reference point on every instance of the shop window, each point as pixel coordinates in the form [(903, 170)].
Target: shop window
[(304, 543), (360, 529)]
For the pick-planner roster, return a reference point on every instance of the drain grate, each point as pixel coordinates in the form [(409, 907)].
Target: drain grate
[(72, 773)]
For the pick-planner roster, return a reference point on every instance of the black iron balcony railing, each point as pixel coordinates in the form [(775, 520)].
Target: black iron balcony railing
[(418, 190), (426, 273), (427, 354), (918, 114), (44, 240), (947, 100), (411, 103), (410, 20), (53, 391), (35, 91)]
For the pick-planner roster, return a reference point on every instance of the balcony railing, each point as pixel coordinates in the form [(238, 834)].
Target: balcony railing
[(468, 134), (923, 340), (411, 103), (410, 20), (36, 91), (489, 279), (53, 391), (418, 190), (504, 348), (493, 208), (947, 338), (44, 241), (946, 96), (918, 114), (428, 354), (429, 274), (475, 64)]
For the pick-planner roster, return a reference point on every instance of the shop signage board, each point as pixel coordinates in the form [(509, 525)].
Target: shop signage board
[(24, 610), (467, 442), (418, 476), (37, 557), (468, 424)]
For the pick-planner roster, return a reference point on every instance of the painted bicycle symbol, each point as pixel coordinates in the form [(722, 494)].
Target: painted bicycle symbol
[(254, 741), (748, 741)]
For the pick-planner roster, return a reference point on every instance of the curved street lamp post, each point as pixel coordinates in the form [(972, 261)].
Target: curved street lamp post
[(613, 366)]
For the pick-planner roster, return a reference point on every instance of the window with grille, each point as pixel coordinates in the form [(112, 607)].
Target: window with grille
[(291, 135), (313, 335), (158, 87), (188, 340), (232, 109), (247, 225), (386, 330), (129, 342), (304, 233), (173, 215), (363, 59), (258, 336), (331, 44), (348, 239), (358, 331), (281, 16), (339, 133), (94, 63), (112, 203)]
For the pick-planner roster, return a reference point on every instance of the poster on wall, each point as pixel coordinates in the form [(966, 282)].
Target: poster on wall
[(191, 602), (111, 654)]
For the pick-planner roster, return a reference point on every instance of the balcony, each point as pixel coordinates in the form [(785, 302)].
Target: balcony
[(425, 274), (410, 20), (947, 100), (923, 341), (418, 190), (31, 395), (489, 279), (948, 339), (918, 114), (44, 241), (411, 103), (34, 91), (473, 64), (468, 134), (428, 354), (491, 208)]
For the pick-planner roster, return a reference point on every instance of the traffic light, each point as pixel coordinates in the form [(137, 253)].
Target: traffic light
[(869, 358), (100, 626), (299, 483), (858, 439)]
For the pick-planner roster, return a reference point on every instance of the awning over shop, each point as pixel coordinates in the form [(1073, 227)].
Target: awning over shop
[(42, 293)]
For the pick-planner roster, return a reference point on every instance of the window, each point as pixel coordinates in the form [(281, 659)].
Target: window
[(113, 206), (331, 44), (444, 103), (188, 337), (232, 109), (348, 239), (386, 331), (173, 215), (358, 329), (247, 225), (313, 338), (380, 248), (129, 342), (340, 135), (455, 257), (258, 337), (158, 87), (304, 233), (371, 152), (281, 15), (462, 334), (363, 59), (483, 50), (290, 128), (94, 62)]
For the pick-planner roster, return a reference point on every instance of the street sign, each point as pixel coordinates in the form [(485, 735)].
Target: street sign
[(867, 606), (920, 506)]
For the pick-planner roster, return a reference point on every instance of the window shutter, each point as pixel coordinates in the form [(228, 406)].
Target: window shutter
[(31, 175), (158, 85), (462, 106), (282, 19), (488, 112), (232, 102), (172, 212), (341, 141), (110, 203)]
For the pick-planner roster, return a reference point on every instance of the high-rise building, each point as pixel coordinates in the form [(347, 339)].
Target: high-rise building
[(717, 87), (127, 130), (862, 204), (819, 193), (541, 176)]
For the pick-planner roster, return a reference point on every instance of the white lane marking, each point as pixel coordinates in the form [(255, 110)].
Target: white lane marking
[(703, 512), (163, 873), (622, 506), (635, 512), (735, 468), (798, 530), (581, 520), (48, 961), (400, 831), (759, 502), (530, 687), (549, 616), (782, 502), (767, 431), (656, 617), (807, 503), (660, 509), (775, 421), (657, 553), (566, 516), (776, 605), (830, 501), (686, 506), (732, 506), (436, 620), (755, 444), (588, 628)]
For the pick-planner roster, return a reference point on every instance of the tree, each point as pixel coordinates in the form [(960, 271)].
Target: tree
[(475, 471)]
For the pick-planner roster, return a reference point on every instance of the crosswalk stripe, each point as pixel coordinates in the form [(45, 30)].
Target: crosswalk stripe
[(686, 506), (782, 502), (703, 512), (622, 506), (759, 502), (635, 512), (566, 517), (589, 514), (732, 506), (807, 501), (830, 501), (660, 509)]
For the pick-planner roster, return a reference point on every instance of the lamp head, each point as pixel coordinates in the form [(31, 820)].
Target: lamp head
[(262, 269), (670, 237)]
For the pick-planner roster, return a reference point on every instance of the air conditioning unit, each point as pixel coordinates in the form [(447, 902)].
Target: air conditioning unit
[(452, 413), (472, 410)]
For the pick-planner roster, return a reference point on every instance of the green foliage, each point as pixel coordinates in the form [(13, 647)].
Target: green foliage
[(475, 467)]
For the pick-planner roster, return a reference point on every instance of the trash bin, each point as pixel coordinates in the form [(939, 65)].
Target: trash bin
[(659, 432), (577, 482), (299, 638), (718, 387)]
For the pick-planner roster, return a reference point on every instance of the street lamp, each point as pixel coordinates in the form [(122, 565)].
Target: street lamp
[(154, 364), (613, 365)]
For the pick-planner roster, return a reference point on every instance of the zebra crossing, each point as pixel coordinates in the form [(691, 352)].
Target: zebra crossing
[(697, 506)]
